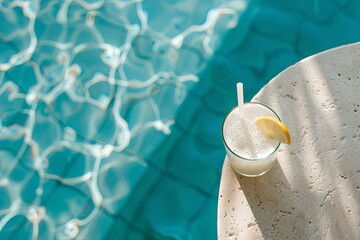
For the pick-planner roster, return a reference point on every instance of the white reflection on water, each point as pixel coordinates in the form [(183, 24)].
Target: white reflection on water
[(84, 86)]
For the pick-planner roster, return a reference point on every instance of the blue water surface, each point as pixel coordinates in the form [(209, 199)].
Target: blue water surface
[(110, 111)]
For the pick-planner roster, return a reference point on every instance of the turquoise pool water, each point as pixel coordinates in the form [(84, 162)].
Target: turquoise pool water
[(110, 111)]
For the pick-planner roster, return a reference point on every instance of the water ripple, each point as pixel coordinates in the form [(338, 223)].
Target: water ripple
[(84, 85)]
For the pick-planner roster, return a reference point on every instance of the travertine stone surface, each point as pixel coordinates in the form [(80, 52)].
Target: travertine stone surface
[(313, 191)]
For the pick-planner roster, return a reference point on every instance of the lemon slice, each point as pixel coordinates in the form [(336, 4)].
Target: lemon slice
[(273, 128)]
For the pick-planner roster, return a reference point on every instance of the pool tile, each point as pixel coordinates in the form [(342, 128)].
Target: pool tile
[(121, 229), (207, 126), (203, 222), (280, 30), (187, 112), (160, 157), (196, 163), (99, 225), (78, 204), (118, 229), (227, 100), (119, 174), (164, 207), (231, 72), (138, 143), (17, 228), (311, 34)]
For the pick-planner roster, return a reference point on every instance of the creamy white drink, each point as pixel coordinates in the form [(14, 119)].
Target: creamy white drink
[(249, 151)]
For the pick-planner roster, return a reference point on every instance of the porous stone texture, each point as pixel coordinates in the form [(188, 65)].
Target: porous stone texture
[(313, 191)]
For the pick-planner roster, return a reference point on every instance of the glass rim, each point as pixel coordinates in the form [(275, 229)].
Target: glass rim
[(237, 155)]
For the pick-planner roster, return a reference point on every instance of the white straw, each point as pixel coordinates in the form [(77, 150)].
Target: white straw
[(240, 96)]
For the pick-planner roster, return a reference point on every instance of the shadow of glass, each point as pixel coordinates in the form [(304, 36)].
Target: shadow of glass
[(278, 211)]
